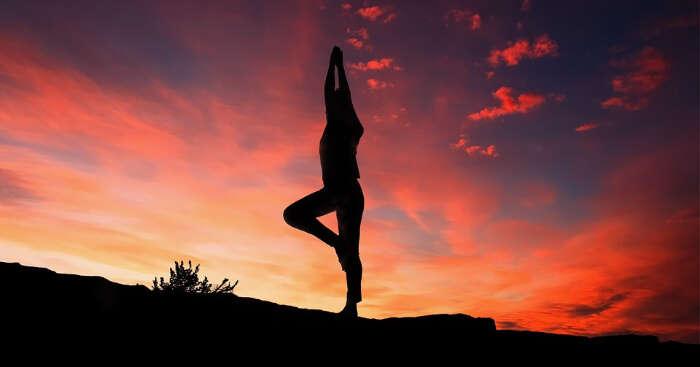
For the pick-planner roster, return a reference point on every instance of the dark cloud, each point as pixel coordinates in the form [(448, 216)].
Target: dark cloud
[(674, 306), (660, 26), (583, 310), (66, 148), (512, 325), (13, 189), (675, 312)]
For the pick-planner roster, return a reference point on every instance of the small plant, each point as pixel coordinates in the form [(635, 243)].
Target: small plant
[(186, 281)]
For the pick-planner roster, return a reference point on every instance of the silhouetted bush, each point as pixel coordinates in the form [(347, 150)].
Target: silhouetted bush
[(186, 280)]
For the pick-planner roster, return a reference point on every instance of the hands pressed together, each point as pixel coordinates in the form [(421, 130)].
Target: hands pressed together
[(337, 56)]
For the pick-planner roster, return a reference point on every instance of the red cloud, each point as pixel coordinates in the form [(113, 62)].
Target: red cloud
[(355, 42), (511, 56), (360, 36), (489, 151), (371, 13), (346, 6), (646, 72), (625, 103), (361, 32), (509, 104), (462, 142), (383, 63), (476, 21), (650, 71), (586, 127), (682, 21), (527, 4), (687, 215), (474, 150), (489, 74), (458, 16), (376, 84), (389, 18)]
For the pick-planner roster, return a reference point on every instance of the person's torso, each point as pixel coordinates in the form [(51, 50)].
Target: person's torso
[(338, 150)]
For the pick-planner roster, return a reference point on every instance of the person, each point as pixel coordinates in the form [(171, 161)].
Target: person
[(341, 189)]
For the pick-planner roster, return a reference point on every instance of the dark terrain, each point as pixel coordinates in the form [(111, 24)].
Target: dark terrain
[(39, 299)]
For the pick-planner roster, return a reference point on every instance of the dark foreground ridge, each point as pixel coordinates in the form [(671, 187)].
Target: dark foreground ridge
[(43, 298)]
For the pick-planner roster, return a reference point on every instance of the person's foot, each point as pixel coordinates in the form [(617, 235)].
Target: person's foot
[(349, 312)]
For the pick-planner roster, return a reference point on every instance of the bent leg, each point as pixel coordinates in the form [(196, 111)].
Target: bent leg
[(302, 215)]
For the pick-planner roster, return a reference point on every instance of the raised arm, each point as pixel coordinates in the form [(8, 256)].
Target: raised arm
[(342, 80), (329, 86)]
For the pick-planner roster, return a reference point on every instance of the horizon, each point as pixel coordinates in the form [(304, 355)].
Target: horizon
[(533, 162)]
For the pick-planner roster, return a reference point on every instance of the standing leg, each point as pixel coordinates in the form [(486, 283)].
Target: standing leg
[(302, 215), (349, 216)]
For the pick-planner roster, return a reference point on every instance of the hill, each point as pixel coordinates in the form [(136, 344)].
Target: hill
[(43, 299)]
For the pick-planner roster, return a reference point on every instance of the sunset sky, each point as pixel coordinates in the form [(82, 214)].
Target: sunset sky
[(535, 162)]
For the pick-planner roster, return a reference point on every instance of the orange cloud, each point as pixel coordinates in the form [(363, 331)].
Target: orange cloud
[(389, 18), (377, 84), (509, 105), (474, 150), (355, 42), (462, 142), (476, 21), (371, 13), (383, 63), (511, 56), (359, 38), (625, 103), (586, 127), (489, 151), (647, 71), (360, 32)]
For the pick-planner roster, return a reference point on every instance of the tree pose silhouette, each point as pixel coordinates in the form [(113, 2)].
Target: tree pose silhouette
[(341, 191)]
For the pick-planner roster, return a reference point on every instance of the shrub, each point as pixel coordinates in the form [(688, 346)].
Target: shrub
[(186, 281)]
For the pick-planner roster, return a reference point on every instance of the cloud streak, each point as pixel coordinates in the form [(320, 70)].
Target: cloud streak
[(524, 49), (13, 190), (646, 71), (379, 64), (374, 13), (376, 84), (586, 127), (510, 104)]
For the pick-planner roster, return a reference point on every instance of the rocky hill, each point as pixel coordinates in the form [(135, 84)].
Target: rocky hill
[(40, 298)]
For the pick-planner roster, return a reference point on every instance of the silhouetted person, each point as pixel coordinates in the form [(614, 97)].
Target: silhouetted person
[(341, 190)]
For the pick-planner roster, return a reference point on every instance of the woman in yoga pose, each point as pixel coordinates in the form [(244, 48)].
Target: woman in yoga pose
[(341, 190)]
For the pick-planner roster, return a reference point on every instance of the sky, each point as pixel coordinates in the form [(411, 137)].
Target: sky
[(532, 161)]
